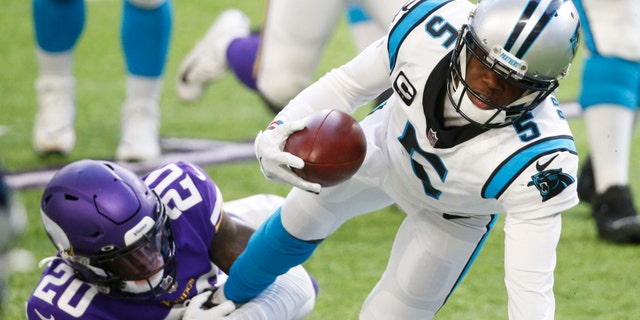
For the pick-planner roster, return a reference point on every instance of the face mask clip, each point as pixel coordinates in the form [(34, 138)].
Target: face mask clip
[(505, 63)]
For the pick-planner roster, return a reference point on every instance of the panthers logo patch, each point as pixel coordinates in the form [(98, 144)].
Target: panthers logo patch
[(550, 182)]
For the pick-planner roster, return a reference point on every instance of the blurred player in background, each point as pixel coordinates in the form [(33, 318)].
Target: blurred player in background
[(280, 61), (152, 248), (362, 28), (472, 130), (145, 36), (610, 96), (13, 220)]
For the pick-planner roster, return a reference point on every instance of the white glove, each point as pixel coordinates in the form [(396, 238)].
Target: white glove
[(275, 163), (205, 306)]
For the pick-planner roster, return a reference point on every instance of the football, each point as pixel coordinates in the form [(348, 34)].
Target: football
[(332, 146)]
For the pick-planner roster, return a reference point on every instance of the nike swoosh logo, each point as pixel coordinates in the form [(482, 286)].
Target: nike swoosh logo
[(541, 167), (452, 216), (43, 317)]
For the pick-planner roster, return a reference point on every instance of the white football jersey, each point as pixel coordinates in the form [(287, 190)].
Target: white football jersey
[(451, 180), (520, 169)]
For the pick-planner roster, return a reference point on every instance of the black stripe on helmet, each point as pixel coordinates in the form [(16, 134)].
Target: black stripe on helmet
[(522, 21), (540, 25)]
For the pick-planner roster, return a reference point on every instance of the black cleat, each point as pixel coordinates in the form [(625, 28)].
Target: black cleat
[(616, 217), (586, 182)]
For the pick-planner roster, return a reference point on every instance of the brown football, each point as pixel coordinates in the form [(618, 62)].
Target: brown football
[(332, 146)]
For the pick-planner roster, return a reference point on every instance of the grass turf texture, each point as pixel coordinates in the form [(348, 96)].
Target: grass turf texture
[(594, 280)]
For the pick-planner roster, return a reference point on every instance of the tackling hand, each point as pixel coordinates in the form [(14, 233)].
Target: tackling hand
[(206, 306), (275, 163)]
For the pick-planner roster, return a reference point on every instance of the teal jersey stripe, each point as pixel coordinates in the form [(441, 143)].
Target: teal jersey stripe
[(411, 19), (516, 164)]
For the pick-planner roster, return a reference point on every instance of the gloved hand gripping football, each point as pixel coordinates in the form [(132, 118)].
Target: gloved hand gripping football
[(275, 163)]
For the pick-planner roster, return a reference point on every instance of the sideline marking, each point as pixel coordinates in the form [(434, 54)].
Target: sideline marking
[(201, 152)]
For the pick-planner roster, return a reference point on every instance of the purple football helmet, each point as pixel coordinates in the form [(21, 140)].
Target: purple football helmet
[(111, 228)]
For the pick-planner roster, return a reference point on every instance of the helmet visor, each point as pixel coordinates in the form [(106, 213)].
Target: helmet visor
[(145, 257)]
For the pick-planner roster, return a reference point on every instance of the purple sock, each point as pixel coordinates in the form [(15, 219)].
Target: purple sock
[(241, 55)]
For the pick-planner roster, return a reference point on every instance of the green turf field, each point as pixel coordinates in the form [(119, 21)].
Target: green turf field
[(594, 280)]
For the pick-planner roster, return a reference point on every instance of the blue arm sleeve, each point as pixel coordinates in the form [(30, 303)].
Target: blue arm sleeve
[(271, 251)]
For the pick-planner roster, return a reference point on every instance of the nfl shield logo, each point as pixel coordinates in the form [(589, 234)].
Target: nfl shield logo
[(432, 135)]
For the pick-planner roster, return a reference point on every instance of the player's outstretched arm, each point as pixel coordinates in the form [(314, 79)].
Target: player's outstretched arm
[(346, 88)]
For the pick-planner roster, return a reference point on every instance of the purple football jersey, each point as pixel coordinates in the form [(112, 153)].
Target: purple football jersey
[(193, 204)]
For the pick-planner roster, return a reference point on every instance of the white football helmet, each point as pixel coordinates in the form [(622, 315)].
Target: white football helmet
[(530, 43)]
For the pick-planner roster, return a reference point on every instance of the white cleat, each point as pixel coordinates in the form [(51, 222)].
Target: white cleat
[(53, 131), (140, 131), (207, 61)]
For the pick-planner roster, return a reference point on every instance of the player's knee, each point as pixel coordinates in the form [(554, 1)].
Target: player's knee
[(610, 80), (278, 91), (147, 4)]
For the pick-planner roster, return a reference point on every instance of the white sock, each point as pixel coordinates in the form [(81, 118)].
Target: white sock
[(609, 130), (143, 87), (57, 64)]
